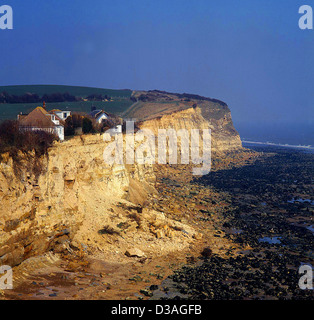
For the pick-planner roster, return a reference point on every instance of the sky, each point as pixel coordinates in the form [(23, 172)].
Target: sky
[(249, 53)]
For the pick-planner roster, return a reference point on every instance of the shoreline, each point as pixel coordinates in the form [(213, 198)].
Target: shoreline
[(276, 230), (309, 148), (231, 211)]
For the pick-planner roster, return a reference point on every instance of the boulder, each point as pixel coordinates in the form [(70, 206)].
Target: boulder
[(207, 252), (4, 250), (159, 234), (135, 252), (197, 236), (13, 258)]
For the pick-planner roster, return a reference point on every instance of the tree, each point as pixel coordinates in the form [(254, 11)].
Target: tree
[(69, 129), (87, 126)]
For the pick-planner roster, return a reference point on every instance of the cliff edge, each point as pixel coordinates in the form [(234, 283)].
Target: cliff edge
[(158, 109)]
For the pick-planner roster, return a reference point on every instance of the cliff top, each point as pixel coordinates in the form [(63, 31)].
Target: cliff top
[(154, 104)]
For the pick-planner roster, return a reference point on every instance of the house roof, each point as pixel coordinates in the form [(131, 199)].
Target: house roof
[(95, 113), (39, 117), (98, 113), (54, 111)]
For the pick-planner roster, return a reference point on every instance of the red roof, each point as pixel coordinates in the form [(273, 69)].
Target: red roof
[(39, 117)]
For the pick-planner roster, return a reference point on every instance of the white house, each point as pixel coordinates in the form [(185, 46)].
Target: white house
[(42, 120), (99, 115), (62, 114)]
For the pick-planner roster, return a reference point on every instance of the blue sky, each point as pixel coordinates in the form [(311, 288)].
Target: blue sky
[(249, 53)]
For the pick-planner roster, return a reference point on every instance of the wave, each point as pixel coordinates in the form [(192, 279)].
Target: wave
[(308, 147)]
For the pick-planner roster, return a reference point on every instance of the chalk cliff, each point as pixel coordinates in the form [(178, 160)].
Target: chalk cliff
[(159, 109), (223, 137), (67, 201), (74, 183)]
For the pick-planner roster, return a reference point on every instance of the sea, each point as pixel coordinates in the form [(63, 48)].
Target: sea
[(304, 148)]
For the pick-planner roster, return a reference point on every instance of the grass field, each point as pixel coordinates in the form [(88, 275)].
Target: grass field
[(73, 90), (10, 111), (120, 103), (149, 110)]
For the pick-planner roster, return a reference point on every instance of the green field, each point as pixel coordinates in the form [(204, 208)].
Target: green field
[(121, 99), (73, 90), (10, 111)]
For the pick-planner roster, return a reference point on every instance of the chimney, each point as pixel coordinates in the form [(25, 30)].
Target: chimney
[(44, 105)]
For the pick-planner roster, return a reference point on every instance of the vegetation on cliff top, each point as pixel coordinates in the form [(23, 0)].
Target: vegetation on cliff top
[(154, 103), (13, 140), (21, 145)]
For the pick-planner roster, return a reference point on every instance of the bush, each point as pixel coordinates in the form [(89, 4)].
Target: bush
[(87, 125), (14, 141), (69, 129), (9, 133)]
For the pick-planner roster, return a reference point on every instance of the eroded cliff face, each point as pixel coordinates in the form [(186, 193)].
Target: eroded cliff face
[(159, 109), (74, 184), (223, 136)]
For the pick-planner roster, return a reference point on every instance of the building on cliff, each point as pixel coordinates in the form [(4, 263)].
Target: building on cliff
[(42, 120), (99, 115)]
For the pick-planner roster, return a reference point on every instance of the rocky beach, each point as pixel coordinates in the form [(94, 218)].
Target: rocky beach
[(270, 217), (73, 227)]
